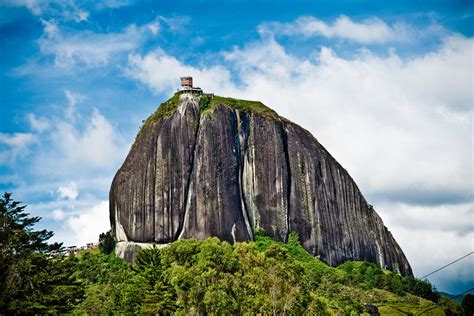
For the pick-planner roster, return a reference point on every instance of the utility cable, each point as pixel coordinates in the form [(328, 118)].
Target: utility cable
[(472, 288), (467, 255)]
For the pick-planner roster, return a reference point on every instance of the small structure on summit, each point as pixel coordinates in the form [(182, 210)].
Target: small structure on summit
[(187, 86)]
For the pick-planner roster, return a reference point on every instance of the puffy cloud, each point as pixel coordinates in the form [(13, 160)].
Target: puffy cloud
[(73, 150), (69, 191), (161, 72), (372, 30), (405, 110), (97, 145), (87, 226), (58, 214), (37, 124), (70, 144)]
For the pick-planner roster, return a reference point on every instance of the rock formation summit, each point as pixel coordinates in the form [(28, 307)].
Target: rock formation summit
[(204, 166)]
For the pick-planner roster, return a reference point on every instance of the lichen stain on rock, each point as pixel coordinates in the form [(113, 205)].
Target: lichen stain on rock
[(226, 168)]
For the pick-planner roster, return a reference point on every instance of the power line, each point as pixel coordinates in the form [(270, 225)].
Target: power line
[(467, 255), (472, 288)]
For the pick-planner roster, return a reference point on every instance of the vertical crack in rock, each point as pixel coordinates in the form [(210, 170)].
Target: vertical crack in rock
[(288, 180), (242, 149), (189, 186), (154, 188), (144, 198)]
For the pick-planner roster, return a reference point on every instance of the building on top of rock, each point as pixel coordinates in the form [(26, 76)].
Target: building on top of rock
[(187, 86)]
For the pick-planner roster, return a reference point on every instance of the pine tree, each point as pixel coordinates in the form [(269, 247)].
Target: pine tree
[(32, 279)]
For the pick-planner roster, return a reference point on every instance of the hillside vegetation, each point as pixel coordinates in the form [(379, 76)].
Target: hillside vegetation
[(196, 277)]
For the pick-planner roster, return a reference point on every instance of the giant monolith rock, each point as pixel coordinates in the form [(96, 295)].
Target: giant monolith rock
[(205, 166)]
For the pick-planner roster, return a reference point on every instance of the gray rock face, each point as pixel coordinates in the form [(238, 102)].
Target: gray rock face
[(226, 169)]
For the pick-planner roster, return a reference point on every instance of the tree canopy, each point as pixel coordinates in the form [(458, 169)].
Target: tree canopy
[(200, 277)]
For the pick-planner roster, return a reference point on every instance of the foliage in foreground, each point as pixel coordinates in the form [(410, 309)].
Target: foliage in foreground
[(195, 277), (265, 276), (32, 281)]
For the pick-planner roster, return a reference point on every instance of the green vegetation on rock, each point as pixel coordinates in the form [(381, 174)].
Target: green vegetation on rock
[(204, 103), (243, 105), (165, 109), (208, 102)]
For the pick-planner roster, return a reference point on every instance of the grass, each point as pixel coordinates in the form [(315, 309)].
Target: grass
[(241, 105), (424, 308)]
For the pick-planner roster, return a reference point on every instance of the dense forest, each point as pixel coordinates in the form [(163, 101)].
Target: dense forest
[(197, 277)]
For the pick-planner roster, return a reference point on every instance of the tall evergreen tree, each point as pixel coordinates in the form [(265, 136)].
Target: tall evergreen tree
[(34, 277)]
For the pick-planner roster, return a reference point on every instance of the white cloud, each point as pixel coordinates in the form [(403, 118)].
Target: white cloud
[(161, 72), (154, 27), (90, 49), (175, 24), (372, 30), (112, 4), (50, 27), (58, 214), (87, 48), (420, 217), (405, 110), (87, 226), (96, 145), (65, 9), (73, 99), (432, 237), (17, 140), (79, 146), (69, 191), (15, 145), (82, 16), (37, 124)]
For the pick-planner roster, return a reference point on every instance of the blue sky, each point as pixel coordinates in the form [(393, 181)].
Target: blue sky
[(386, 87)]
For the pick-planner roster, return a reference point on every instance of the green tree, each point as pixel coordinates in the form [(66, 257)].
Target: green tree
[(467, 304), (107, 242), (34, 276)]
